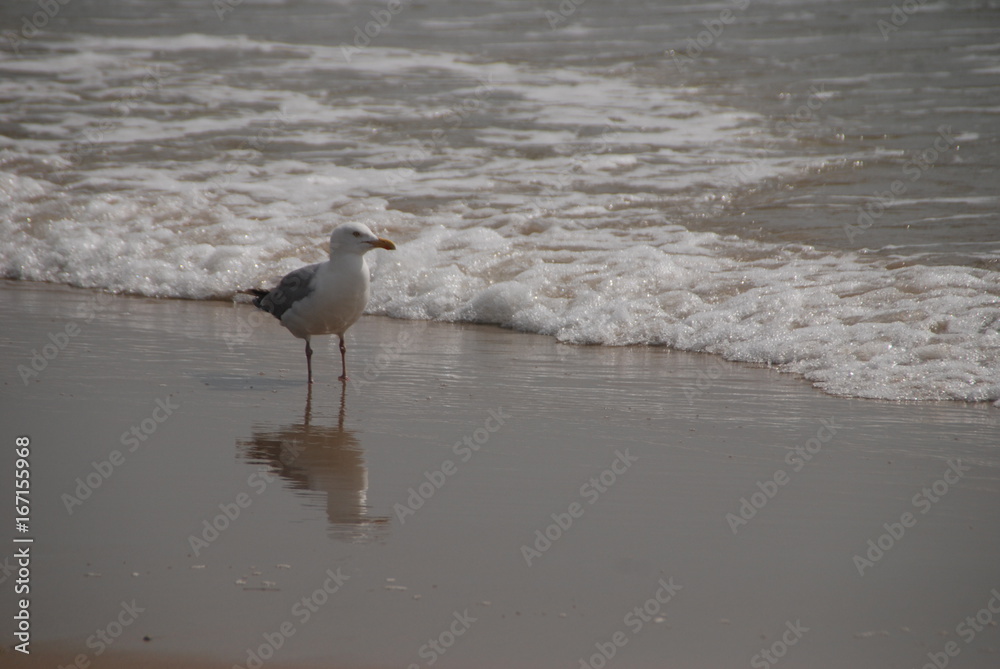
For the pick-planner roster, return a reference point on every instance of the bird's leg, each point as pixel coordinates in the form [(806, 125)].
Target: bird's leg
[(343, 358), (309, 360)]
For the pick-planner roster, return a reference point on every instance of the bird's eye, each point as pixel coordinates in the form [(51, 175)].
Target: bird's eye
[(356, 233)]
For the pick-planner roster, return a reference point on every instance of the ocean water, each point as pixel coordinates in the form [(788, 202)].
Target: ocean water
[(809, 185)]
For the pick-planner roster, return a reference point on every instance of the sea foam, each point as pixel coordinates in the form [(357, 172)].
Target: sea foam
[(529, 199)]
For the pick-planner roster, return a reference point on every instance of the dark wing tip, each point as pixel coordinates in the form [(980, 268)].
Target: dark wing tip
[(258, 295)]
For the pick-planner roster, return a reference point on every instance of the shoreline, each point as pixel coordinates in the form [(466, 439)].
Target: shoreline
[(96, 300)]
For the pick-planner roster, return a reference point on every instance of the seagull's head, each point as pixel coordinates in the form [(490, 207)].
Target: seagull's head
[(357, 238)]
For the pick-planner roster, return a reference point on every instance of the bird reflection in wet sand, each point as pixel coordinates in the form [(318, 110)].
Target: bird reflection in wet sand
[(327, 460)]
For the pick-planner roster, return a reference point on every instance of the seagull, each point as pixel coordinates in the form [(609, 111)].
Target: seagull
[(328, 297)]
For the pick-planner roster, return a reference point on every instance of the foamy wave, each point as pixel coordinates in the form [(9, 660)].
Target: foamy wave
[(850, 326), (527, 199)]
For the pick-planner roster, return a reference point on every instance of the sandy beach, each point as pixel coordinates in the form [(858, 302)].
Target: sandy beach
[(475, 497)]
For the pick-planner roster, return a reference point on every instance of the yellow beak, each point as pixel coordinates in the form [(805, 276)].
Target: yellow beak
[(382, 243)]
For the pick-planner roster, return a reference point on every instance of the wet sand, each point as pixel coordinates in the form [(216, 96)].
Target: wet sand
[(475, 497)]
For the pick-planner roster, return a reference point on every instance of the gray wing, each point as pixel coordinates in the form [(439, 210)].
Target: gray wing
[(293, 287)]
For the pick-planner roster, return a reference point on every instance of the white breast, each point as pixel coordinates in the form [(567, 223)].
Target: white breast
[(338, 298)]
